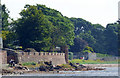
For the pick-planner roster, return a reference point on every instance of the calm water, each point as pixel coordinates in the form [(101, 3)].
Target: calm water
[(109, 71)]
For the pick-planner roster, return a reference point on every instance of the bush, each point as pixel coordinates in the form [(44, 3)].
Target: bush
[(66, 66), (70, 55), (89, 49), (28, 63)]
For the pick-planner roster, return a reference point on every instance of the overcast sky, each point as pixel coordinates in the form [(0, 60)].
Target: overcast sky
[(95, 11)]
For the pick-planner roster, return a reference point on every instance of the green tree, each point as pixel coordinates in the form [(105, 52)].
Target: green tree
[(63, 31), (33, 29), (5, 17), (6, 27), (118, 37), (79, 45), (98, 33), (111, 39), (88, 49), (88, 38)]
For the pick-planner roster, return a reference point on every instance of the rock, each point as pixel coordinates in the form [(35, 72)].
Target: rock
[(48, 63), (58, 67), (73, 65), (43, 68), (4, 71), (77, 67), (25, 68), (20, 67)]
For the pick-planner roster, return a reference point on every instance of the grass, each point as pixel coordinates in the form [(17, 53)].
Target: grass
[(103, 55), (93, 61), (66, 66), (31, 64), (28, 63)]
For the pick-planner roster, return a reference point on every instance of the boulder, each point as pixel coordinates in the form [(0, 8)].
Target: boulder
[(48, 63), (6, 71), (43, 68)]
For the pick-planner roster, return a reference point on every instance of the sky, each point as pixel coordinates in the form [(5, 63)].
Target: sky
[(95, 11)]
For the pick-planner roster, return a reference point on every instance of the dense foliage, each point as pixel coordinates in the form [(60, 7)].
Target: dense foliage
[(63, 31), (35, 29), (43, 28), (102, 40)]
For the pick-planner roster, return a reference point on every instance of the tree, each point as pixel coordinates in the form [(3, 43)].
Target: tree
[(33, 29), (98, 33), (118, 37), (6, 27), (88, 49), (63, 30), (5, 17), (111, 39), (88, 38), (81, 25), (79, 45)]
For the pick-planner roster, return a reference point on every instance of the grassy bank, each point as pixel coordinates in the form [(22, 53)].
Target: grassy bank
[(93, 61)]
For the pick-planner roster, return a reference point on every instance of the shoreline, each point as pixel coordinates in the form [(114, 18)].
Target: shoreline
[(22, 72), (102, 65), (54, 73)]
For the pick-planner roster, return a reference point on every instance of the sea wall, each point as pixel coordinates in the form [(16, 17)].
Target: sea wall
[(22, 57)]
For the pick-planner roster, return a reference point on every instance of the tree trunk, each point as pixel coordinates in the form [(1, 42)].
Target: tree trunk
[(65, 50)]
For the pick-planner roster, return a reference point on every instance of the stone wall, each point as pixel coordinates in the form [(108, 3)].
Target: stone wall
[(92, 56), (22, 57), (3, 57)]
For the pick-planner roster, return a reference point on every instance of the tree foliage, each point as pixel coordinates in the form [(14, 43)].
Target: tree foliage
[(36, 30), (102, 40), (5, 16), (79, 45), (111, 39), (63, 30), (33, 29), (43, 28), (7, 34)]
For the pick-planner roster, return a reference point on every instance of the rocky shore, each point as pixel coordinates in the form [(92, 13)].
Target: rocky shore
[(51, 69)]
